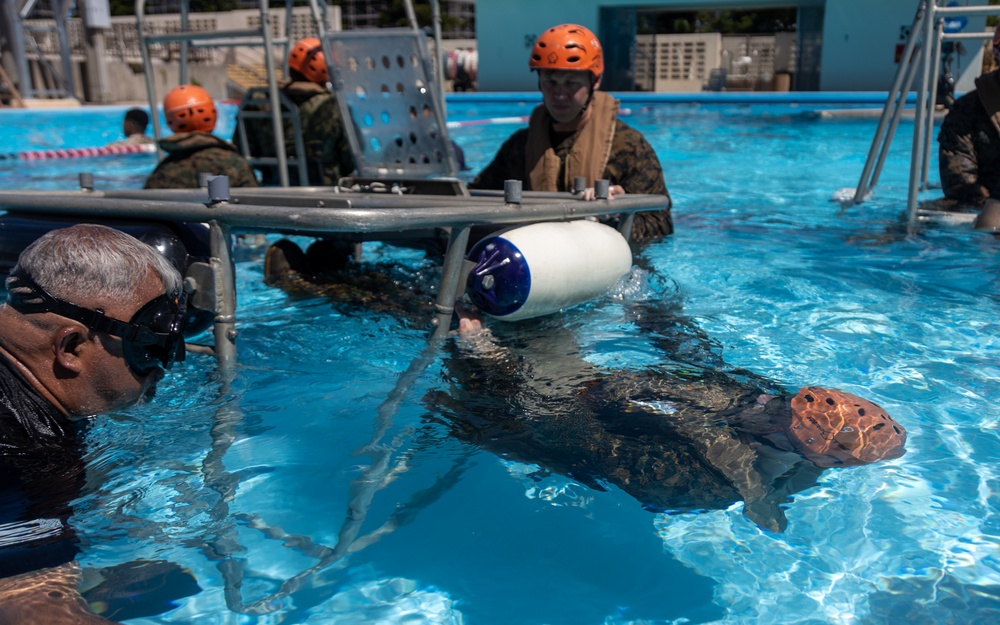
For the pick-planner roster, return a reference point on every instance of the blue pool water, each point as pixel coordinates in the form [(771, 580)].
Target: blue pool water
[(784, 282)]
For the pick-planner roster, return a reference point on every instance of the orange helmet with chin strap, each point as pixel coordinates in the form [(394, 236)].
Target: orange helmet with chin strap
[(189, 108), (568, 47), (307, 58)]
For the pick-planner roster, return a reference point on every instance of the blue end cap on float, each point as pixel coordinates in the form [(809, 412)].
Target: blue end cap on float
[(500, 282)]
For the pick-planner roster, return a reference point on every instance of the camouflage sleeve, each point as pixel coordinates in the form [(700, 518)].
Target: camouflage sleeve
[(508, 164), (634, 165), (163, 178), (240, 172), (958, 160), (326, 140), (221, 161)]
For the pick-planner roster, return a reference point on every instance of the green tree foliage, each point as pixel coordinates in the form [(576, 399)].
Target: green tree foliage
[(394, 15), (127, 7), (725, 21)]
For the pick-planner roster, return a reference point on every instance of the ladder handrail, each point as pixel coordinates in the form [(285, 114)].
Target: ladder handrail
[(290, 112), (260, 36), (922, 51), (19, 15), (916, 156), (876, 154)]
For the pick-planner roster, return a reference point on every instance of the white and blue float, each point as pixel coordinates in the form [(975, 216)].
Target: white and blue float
[(542, 268)]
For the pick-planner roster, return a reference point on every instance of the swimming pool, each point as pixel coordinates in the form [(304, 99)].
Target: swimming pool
[(785, 283)]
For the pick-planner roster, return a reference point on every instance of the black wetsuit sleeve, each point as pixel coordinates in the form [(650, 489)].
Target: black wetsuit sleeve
[(41, 472)]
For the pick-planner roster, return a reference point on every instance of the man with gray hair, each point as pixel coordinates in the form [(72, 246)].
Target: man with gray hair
[(67, 352)]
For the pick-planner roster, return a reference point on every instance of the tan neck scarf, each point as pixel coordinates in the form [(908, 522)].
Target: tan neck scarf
[(988, 88), (588, 155)]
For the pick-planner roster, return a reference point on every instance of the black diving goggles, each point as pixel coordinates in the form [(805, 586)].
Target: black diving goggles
[(153, 338)]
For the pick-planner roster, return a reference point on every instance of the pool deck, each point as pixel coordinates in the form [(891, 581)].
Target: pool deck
[(56, 103)]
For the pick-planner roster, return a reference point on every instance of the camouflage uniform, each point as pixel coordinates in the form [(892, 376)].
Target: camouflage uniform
[(327, 150), (193, 153), (325, 139), (632, 164), (969, 154), (688, 439)]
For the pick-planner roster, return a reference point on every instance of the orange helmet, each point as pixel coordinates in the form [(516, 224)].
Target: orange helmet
[(307, 58), (568, 46), (833, 428), (189, 108)]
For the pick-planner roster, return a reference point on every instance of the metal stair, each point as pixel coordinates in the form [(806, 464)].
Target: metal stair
[(922, 53)]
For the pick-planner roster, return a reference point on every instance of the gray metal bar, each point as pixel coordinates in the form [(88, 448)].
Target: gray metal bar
[(360, 215), (27, 7), (225, 296), (928, 134), (336, 197), (288, 43), (411, 15), (984, 35), (967, 10), (183, 75), (206, 39), (451, 276), (140, 16), (438, 52), (272, 86), (26, 87), (897, 114), (918, 125), (68, 84), (289, 112), (894, 93)]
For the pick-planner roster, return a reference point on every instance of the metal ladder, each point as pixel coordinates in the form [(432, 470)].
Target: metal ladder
[(922, 52), (254, 111), (17, 13), (260, 36)]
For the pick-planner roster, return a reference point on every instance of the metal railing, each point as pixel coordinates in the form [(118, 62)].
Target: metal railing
[(192, 39), (417, 118), (314, 211), (921, 53), (317, 210)]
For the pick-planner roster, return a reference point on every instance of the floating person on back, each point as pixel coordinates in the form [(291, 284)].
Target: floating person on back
[(193, 149), (678, 438), (691, 434), (327, 149), (576, 133)]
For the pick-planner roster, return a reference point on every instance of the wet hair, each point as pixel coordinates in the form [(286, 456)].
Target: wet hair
[(78, 262), (138, 117)]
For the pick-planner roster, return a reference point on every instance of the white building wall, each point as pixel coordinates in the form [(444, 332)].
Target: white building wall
[(681, 62), (859, 41), (858, 49)]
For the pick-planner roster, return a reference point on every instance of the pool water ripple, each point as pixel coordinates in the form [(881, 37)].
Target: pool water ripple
[(780, 278)]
